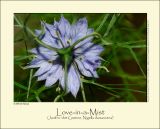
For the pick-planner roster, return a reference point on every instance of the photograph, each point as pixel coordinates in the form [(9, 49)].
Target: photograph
[(80, 57)]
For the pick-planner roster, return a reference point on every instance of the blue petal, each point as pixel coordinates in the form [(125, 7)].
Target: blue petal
[(44, 53), (81, 49), (89, 50), (37, 32), (87, 40), (79, 30), (50, 36), (50, 28), (43, 68), (91, 68), (93, 51), (50, 71), (86, 69), (51, 79), (82, 69), (61, 79), (73, 82), (64, 27), (90, 31), (81, 26), (94, 61), (35, 63), (42, 50)]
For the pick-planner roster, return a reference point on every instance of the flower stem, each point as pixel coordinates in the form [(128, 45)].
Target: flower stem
[(110, 91), (57, 98), (83, 93), (38, 99), (103, 67), (60, 97), (59, 38), (29, 84), (18, 22), (40, 90), (65, 72), (66, 63), (135, 58)]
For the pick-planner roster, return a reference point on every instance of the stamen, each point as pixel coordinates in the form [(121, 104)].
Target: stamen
[(59, 38), (69, 41), (50, 61)]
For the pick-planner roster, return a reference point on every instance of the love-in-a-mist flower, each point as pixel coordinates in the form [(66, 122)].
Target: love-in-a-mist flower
[(73, 54)]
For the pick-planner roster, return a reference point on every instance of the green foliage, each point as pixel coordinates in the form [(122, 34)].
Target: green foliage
[(122, 75)]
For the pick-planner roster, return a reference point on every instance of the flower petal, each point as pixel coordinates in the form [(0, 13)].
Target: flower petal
[(44, 53), (81, 26), (82, 69), (50, 36), (52, 78), (79, 30), (88, 50), (93, 50), (73, 80), (94, 61), (42, 50), (37, 32), (50, 71), (91, 66), (61, 79), (36, 62), (43, 68), (86, 69), (85, 41), (81, 49), (64, 27)]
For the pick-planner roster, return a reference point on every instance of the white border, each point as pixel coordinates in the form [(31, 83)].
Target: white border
[(127, 115)]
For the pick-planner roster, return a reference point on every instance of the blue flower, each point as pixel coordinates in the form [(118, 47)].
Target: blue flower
[(83, 58)]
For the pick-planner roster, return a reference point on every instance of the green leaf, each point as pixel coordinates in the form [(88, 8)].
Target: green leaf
[(20, 86), (103, 67), (136, 59), (102, 23), (20, 58), (111, 24), (83, 92), (29, 82), (109, 90)]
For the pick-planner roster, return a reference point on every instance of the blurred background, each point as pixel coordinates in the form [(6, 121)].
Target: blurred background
[(125, 58)]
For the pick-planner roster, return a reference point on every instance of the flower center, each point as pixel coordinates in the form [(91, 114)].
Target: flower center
[(66, 55)]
